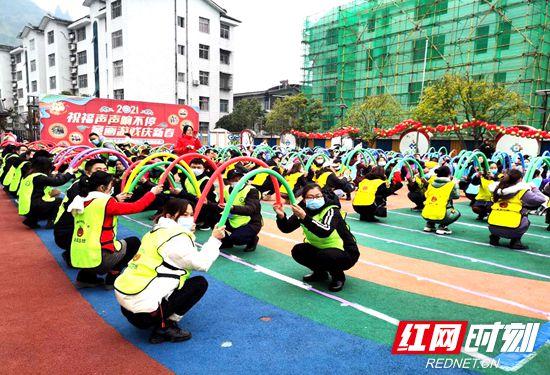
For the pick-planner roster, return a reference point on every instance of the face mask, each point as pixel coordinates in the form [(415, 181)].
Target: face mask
[(381, 163), (494, 171), (112, 191), (186, 222), (233, 184), (198, 171), (315, 203), (127, 139), (95, 142)]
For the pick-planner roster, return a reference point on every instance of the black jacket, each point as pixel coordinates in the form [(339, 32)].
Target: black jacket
[(41, 182), (252, 207)]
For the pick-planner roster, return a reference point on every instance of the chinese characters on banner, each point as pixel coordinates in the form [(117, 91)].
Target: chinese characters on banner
[(68, 120)]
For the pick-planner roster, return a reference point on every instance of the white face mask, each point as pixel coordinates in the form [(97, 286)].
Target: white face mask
[(198, 171), (381, 163), (186, 222)]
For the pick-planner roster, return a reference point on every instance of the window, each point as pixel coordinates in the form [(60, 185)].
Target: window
[(83, 81), (53, 83), (499, 77), (225, 82), (331, 65), (225, 56), (332, 36), (503, 35), (482, 39), (19, 93), (33, 65), (34, 86), (19, 75), (329, 94), (204, 127), (437, 47), (414, 92), (116, 9), (224, 30), (204, 103), (181, 21), (204, 78), (31, 44), (369, 60), (371, 24), (118, 94), (478, 77), (181, 49), (80, 34), (51, 59), (82, 57), (181, 101), (17, 58), (181, 77), (117, 39), (224, 106), (204, 25), (204, 51), (50, 37), (419, 48), (428, 8), (118, 68)]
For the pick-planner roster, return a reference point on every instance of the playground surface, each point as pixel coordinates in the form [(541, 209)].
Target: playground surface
[(258, 316)]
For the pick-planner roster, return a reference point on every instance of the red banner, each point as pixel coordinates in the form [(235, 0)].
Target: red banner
[(68, 120)]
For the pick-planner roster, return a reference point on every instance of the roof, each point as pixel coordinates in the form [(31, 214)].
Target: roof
[(27, 29), (6, 48), (289, 87), (87, 3), (48, 17)]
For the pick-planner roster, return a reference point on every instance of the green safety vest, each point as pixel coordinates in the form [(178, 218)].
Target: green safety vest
[(111, 170), (86, 241), (190, 188), (237, 221), (332, 241), (61, 208), (4, 161), (25, 193), (16, 180), (143, 268), (9, 176)]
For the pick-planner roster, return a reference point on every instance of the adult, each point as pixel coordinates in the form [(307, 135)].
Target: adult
[(156, 289), (329, 247), (438, 207), (188, 142)]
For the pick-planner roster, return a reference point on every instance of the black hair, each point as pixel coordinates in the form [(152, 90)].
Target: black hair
[(443, 171), (377, 172), (510, 178), (97, 179), (187, 127), (310, 186), (42, 154), (197, 161), (90, 163), (173, 207), (92, 133), (9, 149), (296, 167), (41, 165)]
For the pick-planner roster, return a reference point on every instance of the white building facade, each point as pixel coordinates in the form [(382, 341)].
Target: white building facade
[(166, 51)]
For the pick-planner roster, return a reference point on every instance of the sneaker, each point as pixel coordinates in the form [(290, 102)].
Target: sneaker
[(172, 333), (429, 229), (338, 281), (316, 276), (517, 245), (87, 279), (443, 230), (252, 246), (31, 224)]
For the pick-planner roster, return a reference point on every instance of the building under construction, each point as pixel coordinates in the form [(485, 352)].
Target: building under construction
[(371, 47)]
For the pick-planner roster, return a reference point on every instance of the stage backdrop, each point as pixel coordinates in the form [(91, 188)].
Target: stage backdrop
[(68, 120)]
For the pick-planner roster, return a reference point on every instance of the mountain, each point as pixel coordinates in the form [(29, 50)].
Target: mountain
[(14, 15)]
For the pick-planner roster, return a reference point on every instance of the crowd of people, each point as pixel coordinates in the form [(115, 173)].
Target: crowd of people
[(151, 276)]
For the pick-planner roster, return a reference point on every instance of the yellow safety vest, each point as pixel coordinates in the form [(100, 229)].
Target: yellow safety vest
[(322, 180), (260, 178), (507, 212), (332, 241), (237, 221), (9, 176), (86, 241), (4, 161), (435, 206), (143, 268), (16, 180), (366, 193), (25, 193), (292, 179), (484, 194), (189, 186)]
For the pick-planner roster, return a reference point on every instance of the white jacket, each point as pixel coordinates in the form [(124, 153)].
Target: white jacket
[(179, 252)]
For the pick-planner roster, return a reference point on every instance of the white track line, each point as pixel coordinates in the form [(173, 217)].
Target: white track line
[(429, 249)]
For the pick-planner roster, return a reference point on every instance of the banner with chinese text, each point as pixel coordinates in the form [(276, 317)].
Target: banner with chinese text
[(67, 120)]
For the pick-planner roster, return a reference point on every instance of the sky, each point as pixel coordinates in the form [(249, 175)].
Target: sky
[(267, 44)]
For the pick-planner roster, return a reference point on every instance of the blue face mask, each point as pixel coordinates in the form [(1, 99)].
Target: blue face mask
[(315, 203)]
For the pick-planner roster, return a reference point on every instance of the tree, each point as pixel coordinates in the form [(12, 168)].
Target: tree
[(380, 111), (246, 114), (454, 99), (296, 112)]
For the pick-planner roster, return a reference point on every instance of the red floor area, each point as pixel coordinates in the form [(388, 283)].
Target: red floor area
[(46, 325)]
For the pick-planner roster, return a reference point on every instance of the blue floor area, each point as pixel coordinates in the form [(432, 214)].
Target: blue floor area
[(287, 344)]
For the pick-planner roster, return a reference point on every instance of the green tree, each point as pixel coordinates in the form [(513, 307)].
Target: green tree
[(454, 99), (380, 111), (246, 114), (296, 112)]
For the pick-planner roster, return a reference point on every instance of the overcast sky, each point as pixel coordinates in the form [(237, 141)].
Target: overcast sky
[(268, 42)]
